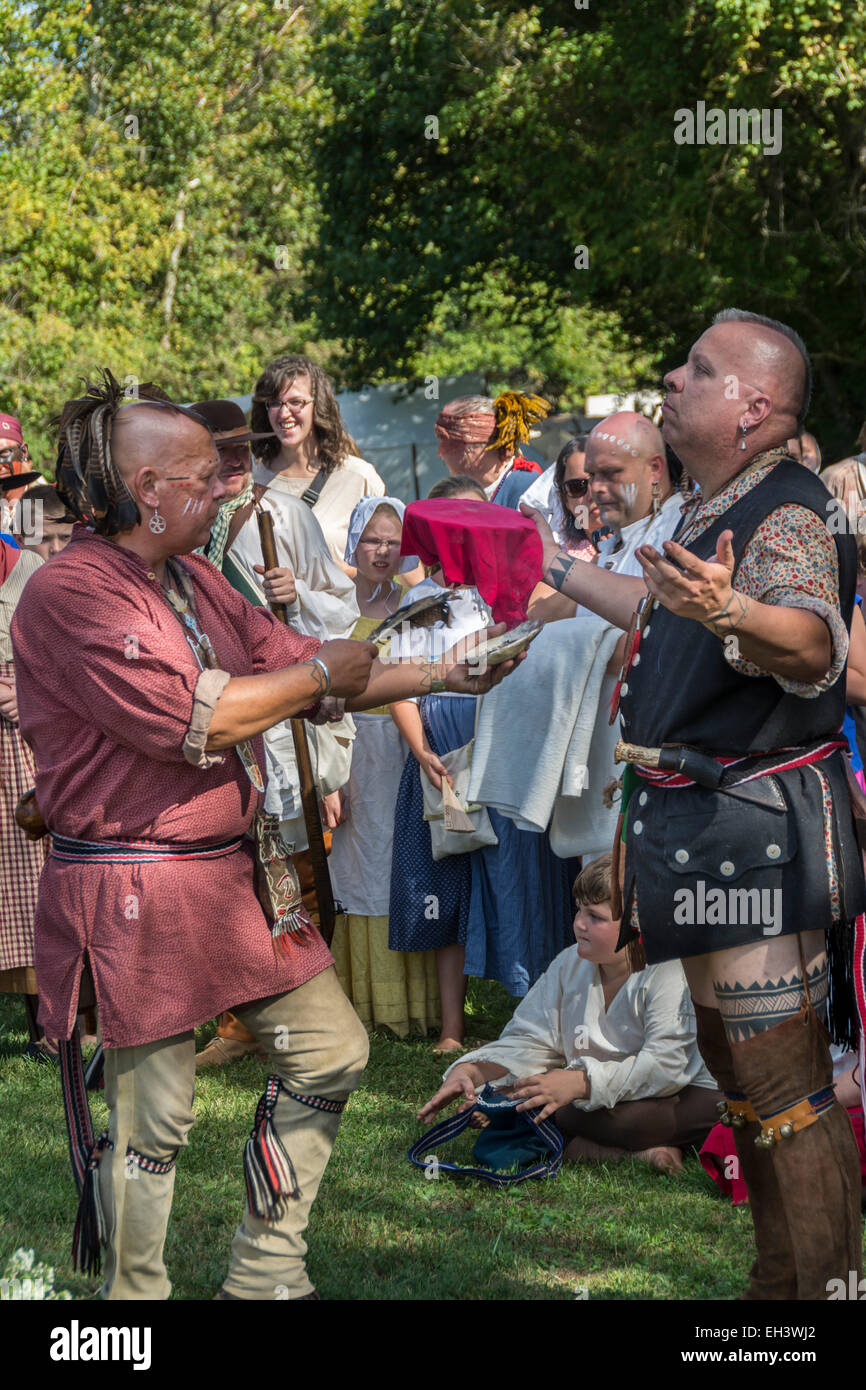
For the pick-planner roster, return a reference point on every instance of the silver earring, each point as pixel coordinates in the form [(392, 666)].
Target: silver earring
[(157, 523), (743, 440)]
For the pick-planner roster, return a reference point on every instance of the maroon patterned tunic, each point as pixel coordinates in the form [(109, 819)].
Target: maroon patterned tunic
[(106, 687)]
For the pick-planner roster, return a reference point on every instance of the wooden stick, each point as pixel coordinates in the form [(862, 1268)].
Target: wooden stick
[(309, 791)]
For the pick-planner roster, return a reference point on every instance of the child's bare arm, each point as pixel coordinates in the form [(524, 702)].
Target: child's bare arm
[(405, 715)]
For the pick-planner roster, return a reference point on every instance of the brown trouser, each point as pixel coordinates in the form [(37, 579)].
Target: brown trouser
[(318, 1047), (681, 1120)]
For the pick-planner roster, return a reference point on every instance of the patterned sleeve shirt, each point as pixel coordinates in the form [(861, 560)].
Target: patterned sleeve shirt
[(790, 561)]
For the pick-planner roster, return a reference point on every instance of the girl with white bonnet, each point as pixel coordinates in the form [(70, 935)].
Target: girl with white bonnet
[(389, 989)]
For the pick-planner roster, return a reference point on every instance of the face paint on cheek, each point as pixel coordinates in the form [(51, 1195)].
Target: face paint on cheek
[(627, 495)]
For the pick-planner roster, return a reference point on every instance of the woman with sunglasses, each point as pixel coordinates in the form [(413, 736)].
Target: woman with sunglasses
[(310, 453), (580, 516), (574, 518)]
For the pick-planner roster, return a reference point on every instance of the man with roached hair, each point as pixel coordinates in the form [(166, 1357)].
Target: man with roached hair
[(144, 683), (741, 856)]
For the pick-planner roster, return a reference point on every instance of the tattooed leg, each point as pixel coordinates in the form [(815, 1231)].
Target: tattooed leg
[(750, 1009), (759, 986)]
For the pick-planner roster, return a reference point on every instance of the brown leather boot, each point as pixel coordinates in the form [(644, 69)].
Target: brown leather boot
[(818, 1167), (772, 1276)]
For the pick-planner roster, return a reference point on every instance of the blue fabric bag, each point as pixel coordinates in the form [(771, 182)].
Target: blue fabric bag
[(512, 1148)]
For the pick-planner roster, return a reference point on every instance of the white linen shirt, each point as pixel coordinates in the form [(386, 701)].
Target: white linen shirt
[(642, 1046), (346, 485)]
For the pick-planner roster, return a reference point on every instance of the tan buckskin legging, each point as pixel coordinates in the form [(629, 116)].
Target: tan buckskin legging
[(318, 1047)]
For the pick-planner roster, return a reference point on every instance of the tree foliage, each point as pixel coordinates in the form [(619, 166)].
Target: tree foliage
[(554, 128), (191, 187)]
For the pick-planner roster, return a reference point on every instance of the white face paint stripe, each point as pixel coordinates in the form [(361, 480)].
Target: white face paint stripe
[(186, 508)]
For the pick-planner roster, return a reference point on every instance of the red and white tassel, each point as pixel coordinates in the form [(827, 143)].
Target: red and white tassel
[(270, 1177)]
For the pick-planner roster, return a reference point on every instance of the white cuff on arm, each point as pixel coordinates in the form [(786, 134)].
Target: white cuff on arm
[(208, 688)]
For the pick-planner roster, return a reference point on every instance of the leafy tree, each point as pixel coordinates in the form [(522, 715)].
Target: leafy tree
[(554, 128)]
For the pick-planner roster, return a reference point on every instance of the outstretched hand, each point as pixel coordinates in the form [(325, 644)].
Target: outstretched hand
[(693, 588), (463, 677), (458, 1083)]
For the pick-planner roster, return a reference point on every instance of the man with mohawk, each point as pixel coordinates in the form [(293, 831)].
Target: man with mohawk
[(145, 682), (732, 699)]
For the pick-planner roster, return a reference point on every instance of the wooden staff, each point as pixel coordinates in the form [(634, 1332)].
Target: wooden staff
[(309, 792)]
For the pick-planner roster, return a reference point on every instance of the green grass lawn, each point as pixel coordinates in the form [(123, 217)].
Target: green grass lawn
[(380, 1229)]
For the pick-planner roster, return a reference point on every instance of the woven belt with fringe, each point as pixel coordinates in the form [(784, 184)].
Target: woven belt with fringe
[(136, 851)]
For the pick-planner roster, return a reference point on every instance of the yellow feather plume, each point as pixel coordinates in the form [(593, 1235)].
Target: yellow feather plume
[(515, 414)]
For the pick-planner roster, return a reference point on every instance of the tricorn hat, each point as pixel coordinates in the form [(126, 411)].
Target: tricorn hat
[(227, 422)]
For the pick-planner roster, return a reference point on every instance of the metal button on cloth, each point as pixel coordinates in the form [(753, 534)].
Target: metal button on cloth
[(682, 856), (638, 827), (635, 661), (641, 801), (623, 690), (726, 868), (773, 851), (646, 631)]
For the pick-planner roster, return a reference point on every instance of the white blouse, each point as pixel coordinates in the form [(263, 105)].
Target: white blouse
[(344, 487), (642, 1046)]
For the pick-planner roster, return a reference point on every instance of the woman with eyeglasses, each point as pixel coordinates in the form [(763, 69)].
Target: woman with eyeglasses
[(310, 453)]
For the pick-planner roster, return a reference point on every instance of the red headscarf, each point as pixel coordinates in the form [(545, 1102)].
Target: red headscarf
[(8, 560), (495, 549)]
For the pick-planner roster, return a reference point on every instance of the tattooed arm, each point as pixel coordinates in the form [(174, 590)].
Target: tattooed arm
[(403, 680), (613, 597)]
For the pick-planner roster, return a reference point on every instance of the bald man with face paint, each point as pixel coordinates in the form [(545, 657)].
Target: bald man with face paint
[(145, 681), (740, 852)]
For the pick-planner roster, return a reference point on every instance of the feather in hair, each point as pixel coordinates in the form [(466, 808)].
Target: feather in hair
[(515, 414), (88, 481)]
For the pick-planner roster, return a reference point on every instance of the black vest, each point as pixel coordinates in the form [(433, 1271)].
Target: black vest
[(684, 691)]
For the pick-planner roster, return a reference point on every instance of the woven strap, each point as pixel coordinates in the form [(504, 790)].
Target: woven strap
[(784, 1124), (147, 1164), (333, 1107), (450, 1129), (136, 851), (89, 1235), (270, 1175)]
